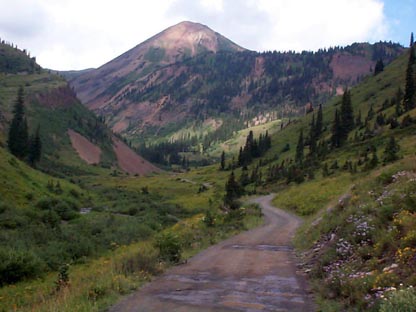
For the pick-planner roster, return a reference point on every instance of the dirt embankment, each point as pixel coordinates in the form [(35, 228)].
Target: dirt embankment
[(88, 151), (130, 162), (253, 271)]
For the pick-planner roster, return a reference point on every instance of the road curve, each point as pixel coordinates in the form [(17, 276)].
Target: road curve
[(253, 271)]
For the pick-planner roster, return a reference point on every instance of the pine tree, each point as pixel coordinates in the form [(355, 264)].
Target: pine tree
[(299, 149), (358, 121), (390, 153), (35, 148), (411, 40), (319, 122), (241, 158), (244, 177), (409, 92), (347, 116), (336, 129), (312, 137), (222, 161), (232, 190), (267, 140), (379, 67), (18, 132)]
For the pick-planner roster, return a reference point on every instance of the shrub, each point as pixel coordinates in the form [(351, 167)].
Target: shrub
[(16, 265), (169, 247), (402, 300), (63, 277), (144, 260)]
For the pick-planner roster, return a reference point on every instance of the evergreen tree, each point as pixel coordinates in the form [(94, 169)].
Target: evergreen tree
[(18, 132), (312, 137), (409, 92), (232, 190), (390, 153), (347, 116), (241, 158), (267, 140), (336, 131), (411, 40), (244, 178), (222, 161), (35, 148), (358, 121), (319, 122), (373, 161), (379, 67), (299, 149)]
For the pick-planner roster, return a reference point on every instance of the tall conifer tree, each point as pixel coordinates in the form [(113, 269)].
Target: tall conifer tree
[(299, 149), (35, 147), (409, 92), (18, 132), (346, 116), (336, 129), (319, 122)]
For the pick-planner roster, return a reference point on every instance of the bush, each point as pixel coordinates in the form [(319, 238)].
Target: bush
[(67, 210), (402, 300), (18, 265), (169, 247), (144, 260)]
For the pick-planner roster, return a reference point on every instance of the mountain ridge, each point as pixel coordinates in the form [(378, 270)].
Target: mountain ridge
[(161, 92), (171, 45)]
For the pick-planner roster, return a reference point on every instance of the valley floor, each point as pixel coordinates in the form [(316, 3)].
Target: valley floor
[(253, 271)]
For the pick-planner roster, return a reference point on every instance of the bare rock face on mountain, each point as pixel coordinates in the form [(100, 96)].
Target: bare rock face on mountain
[(190, 73)]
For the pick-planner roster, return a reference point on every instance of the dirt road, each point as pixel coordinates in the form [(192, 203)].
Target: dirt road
[(253, 271)]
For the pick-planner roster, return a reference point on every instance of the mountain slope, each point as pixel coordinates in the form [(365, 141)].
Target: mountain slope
[(52, 104), (359, 198), (174, 44), (189, 74)]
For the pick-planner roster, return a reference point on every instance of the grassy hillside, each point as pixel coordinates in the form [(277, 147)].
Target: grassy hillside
[(357, 242), (50, 104)]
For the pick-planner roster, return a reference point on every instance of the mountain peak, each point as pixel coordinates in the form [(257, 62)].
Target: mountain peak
[(191, 37)]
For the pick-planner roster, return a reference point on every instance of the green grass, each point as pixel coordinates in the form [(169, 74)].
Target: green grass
[(61, 112), (98, 283), (308, 198), (22, 185), (385, 208)]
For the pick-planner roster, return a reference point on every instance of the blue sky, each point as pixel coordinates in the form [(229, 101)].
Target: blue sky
[(401, 16), (78, 34)]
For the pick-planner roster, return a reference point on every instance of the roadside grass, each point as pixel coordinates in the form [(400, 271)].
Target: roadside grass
[(96, 284), (360, 251), (309, 197)]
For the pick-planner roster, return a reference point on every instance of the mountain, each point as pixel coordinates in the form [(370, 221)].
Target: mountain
[(188, 74), (64, 122), (174, 44)]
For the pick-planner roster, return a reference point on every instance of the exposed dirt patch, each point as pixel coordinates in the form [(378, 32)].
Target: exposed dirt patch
[(88, 151), (254, 271), (347, 66), (58, 97), (130, 162)]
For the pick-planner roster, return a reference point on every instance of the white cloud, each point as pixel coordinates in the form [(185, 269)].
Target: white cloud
[(76, 34), (300, 24)]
